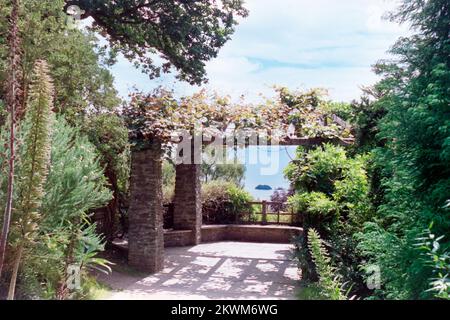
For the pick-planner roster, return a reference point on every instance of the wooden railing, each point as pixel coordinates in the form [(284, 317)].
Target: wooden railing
[(258, 212), (266, 213)]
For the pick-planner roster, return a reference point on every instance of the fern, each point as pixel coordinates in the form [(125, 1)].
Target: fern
[(329, 284), (438, 259)]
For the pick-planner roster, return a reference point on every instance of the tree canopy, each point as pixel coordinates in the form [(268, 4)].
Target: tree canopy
[(185, 33)]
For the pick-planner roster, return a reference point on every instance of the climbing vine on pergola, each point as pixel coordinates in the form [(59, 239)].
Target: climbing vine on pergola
[(157, 120), (159, 116)]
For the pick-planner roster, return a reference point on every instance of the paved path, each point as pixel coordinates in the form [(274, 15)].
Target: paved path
[(223, 270)]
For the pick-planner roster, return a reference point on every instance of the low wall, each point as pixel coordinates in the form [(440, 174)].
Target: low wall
[(216, 233), (177, 238), (244, 233), (250, 233)]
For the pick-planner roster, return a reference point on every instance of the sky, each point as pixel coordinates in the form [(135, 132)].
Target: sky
[(295, 43), (267, 170), (300, 44)]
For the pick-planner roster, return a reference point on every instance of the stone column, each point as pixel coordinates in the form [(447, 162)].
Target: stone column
[(187, 200), (146, 234)]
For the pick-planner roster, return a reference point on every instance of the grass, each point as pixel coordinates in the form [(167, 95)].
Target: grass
[(94, 290), (273, 218)]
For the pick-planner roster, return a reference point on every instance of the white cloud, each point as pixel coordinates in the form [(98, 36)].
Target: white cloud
[(297, 43)]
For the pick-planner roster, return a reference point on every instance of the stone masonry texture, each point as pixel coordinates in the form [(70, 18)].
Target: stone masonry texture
[(187, 200), (146, 234)]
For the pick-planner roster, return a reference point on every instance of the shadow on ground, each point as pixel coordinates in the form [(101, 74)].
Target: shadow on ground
[(223, 270)]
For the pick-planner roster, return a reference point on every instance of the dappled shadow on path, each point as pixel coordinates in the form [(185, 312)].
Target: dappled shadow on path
[(224, 270)]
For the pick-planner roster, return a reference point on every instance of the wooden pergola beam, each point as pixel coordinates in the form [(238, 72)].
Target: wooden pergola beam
[(288, 141)]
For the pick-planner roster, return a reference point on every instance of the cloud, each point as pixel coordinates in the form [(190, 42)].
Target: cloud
[(296, 43)]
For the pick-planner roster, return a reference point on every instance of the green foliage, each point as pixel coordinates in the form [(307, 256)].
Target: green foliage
[(35, 155), (232, 172), (367, 112), (341, 109), (168, 174), (413, 153), (75, 185), (222, 201), (329, 284), (74, 58), (331, 196), (314, 203), (168, 181), (317, 169), (438, 258), (327, 181), (84, 87), (239, 198), (108, 133), (185, 34)]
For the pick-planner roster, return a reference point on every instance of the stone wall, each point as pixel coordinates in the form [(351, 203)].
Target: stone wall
[(177, 238), (187, 201), (146, 238), (214, 233), (250, 233)]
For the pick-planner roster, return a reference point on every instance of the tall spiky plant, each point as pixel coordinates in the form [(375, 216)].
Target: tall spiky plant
[(329, 284), (34, 164), (13, 102)]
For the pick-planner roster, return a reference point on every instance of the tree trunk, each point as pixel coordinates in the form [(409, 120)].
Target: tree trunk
[(13, 95), (12, 284), (8, 210)]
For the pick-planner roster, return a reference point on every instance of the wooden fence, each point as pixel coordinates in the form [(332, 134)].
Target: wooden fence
[(267, 213), (258, 212)]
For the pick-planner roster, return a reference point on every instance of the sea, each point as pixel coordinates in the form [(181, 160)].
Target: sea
[(265, 166)]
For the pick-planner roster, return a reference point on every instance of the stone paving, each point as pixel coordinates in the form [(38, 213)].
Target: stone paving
[(223, 270)]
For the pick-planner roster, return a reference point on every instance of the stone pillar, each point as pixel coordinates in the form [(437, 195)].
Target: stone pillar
[(187, 200), (146, 234)]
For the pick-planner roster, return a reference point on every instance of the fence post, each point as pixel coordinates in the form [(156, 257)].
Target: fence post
[(264, 212), (278, 217)]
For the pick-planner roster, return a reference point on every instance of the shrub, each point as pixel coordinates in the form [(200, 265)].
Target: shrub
[(332, 197), (281, 196), (75, 185), (168, 194), (32, 169), (329, 285), (222, 201), (437, 257)]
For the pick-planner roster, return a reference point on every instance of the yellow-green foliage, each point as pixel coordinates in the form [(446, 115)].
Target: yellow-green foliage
[(34, 164), (329, 285), (222, 201), (32, 168)]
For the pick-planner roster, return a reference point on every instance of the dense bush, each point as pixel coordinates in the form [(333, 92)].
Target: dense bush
[(281, 197), (84, 87), (75, 185), (412, 155), (222, 201), (332, 197), (59, 180), (328, 286)]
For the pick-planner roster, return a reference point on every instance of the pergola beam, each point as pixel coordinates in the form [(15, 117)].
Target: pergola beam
[(291, 141)]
